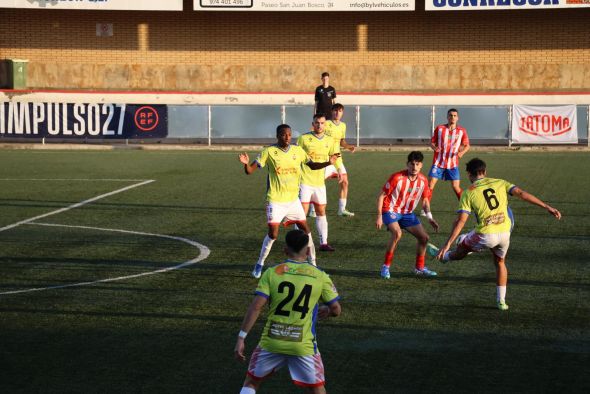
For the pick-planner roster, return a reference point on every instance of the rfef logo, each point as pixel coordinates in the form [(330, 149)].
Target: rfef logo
[(146, 118), (544, 124)]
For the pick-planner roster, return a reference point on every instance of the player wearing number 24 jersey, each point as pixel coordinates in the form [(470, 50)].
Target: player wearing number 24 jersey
[(487, 199), (293, 291)]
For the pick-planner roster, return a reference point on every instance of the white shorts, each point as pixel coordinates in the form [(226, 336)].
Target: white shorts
[(306, 371), (313, 194), (332, 172), (277, 211), (498, 242)]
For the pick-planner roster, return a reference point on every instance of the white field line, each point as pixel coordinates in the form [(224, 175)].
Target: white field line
[(203, 254), (73, 179), (76, 205)]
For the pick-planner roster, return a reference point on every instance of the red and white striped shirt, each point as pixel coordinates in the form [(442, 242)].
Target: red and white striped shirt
[(449, 142), (402, 195)]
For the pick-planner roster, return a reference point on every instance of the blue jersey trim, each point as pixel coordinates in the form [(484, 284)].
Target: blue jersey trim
[(332, 301), (288, 147), (512, 188), (261, 294), (463, 211), (314, 321), (295, 262)]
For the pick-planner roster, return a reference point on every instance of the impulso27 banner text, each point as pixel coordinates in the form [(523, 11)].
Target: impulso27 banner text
[(94, 121)]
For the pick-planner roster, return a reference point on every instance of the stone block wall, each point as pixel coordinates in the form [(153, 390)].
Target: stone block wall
[(286, 51)]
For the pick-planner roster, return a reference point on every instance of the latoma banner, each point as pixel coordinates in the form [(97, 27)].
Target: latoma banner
[(544, 125), (146, 5), (470, 5), (62, 120), (304, 5)]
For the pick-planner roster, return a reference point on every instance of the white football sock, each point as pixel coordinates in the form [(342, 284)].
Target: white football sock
[(500, 293), (321, 223), (341, 205), (265, 250), (311, 250), (247, 390)]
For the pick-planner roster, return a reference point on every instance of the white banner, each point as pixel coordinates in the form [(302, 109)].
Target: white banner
[(544, 125), (304, 5), (470, 5), (145, 5)]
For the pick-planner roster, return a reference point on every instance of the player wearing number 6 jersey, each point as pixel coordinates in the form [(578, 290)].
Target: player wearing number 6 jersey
[(487, 199), (293, 290)]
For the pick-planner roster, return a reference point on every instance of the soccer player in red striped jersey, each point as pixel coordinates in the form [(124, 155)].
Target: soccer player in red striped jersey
[(395, 208), (449, 142)]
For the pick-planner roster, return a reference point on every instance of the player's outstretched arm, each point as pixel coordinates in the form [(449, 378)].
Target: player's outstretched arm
[(457, 227), (251, 316), (347, 146), (379, 221), (426, 208), (332, 310), (318, 166), (245, 159), (528, 197)]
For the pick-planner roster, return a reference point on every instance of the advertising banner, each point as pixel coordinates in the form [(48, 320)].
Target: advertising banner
[(146, 5), (544, 125), (304, 5), (471, 5), (95, 121)]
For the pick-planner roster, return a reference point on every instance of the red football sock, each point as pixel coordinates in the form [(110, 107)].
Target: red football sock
[(459, 194), (388, 258), (419, 262)]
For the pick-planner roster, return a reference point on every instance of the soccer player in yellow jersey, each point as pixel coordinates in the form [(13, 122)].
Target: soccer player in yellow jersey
[(319, 147), (487, 199), (284, 163), (336, 129), (293, 291)]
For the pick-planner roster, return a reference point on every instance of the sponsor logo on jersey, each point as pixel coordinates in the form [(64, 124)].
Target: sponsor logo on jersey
[(303, 269)]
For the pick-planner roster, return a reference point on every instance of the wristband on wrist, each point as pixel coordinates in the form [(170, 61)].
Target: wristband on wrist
[(242, 334)]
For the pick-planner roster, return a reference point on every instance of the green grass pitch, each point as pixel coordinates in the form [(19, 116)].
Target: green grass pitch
[(174, 332)]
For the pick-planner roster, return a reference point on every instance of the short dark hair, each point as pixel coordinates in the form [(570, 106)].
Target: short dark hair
[(325, 74), (337, 107), (415, 156), (296, 240), (319, 115), (475, 166), (452, 110), (281, 128)]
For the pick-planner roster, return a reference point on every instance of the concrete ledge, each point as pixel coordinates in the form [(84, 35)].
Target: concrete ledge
[(239, 148)]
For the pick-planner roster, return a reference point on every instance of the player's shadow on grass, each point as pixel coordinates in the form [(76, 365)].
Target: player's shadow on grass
[(449, 277), (110, 314)]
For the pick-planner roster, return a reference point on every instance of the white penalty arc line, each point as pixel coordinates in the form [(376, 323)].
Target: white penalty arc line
[(203, 254), (76, 205)]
